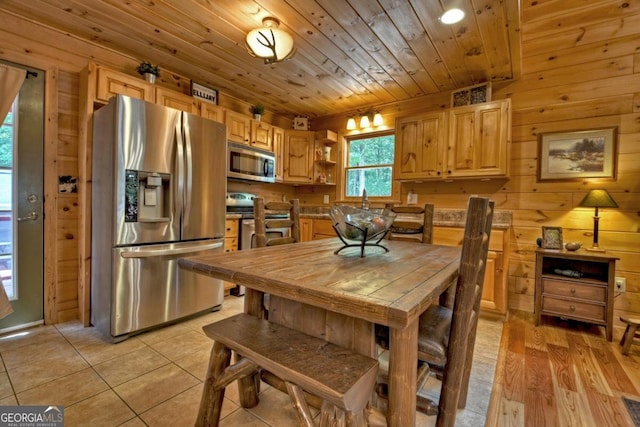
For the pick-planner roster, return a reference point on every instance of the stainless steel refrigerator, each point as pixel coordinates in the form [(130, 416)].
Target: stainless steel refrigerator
[(159, 186)]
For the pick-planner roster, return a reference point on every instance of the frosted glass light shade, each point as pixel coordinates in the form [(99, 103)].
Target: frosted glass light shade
[(452, 16), (377, 120), (364, 121), (351, 123), (270, 42)]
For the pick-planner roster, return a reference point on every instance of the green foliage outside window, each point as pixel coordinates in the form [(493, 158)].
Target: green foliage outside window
[(370, 166), (6, 142)]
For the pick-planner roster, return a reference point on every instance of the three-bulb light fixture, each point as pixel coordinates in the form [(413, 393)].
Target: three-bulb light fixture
[(367, 119), (270, 43)]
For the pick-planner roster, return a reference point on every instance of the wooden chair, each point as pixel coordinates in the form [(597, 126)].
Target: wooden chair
[(412, 223), (265, 234), (263, 225), (447, 336)]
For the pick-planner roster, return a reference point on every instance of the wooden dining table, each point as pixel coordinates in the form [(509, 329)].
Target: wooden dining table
[(340, 297)]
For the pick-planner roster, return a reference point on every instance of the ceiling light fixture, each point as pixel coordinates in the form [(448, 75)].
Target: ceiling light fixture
[(366, 120), (452, 16), (270, 43)]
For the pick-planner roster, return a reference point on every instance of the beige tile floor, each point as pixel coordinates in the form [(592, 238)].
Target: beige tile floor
[(155, 378)]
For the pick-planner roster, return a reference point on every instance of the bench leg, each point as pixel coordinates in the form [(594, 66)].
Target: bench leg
[(331, 416), (297, 399), (248, 388), (211, 402)]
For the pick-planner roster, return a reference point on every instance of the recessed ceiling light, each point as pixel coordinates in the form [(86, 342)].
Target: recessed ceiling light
[(452, 16)]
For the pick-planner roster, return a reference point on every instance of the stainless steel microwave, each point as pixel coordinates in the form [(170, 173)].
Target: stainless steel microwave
[(254, 164)]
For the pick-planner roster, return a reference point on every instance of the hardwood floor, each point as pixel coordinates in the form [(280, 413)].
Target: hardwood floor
[(562, 373)]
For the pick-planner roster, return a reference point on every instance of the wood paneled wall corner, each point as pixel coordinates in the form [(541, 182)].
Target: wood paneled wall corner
[(50, 195)]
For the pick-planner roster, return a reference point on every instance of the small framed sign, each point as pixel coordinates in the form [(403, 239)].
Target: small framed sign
[(552, 237), (301, 123), (204, 93)]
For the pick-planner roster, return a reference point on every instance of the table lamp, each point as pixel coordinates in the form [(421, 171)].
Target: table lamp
[(597, 199)]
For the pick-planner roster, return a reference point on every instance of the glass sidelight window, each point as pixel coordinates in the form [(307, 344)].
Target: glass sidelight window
[(7, 137)]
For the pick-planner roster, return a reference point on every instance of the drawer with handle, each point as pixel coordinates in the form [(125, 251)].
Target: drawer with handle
[(574, 309), (566, 288)]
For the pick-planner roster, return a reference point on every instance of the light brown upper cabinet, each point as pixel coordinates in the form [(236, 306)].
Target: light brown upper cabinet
[(479, 140), (298, 156), (238, 127), (177, 100), (261, 135), (420, 142), (111, 83), (463, 142), (212, 112)]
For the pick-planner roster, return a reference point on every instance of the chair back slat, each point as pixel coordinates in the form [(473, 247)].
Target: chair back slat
[(413, 223), (263, 225), (464, 322)]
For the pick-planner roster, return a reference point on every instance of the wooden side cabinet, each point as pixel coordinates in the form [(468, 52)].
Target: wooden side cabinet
[(576, 285)]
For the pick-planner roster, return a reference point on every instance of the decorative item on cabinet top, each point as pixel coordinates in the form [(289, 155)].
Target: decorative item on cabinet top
[(257, 110), (148, 71), (301, 123), (469, 95), (204, 93)]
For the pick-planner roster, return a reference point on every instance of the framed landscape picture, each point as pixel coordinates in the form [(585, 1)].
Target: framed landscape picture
[(576, 155)]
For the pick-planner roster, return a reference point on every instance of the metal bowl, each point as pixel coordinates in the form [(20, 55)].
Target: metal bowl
[(361, 224)]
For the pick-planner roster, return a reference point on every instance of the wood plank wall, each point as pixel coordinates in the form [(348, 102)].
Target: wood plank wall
[(579, 72)]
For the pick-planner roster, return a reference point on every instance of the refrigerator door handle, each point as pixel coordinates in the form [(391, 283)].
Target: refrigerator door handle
[(179, 196), (148, 253), (188, 166)]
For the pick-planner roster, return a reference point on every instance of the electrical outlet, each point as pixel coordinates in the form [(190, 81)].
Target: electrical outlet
[(621, 284)]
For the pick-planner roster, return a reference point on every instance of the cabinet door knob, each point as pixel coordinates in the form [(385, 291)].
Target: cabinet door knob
[(573, 290), (572, 307)]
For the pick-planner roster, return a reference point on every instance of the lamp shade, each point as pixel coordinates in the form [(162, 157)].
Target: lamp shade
[(377, 119), (351, 123), (598, 199), (364, 121), (270, 43)]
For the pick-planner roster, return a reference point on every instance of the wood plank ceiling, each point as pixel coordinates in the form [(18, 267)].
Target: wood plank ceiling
[(351, 54)]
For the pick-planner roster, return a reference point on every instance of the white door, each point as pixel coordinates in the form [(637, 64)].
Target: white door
[(21, 204)]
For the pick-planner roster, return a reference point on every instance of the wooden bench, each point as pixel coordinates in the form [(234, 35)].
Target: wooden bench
[(343, 379)]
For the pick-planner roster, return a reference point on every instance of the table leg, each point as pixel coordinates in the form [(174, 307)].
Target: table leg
[(403, 365)]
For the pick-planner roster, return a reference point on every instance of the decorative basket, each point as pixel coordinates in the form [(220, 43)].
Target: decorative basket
[(366, 226)]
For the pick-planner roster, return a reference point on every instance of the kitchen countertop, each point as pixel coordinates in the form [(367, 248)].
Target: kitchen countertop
[(442, 217)]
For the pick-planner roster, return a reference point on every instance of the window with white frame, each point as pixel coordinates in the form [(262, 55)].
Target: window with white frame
[(369, 165)]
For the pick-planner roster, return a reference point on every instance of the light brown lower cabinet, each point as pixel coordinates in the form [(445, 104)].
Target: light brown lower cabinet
[(315, 229), (494, 291), (230, 244)]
